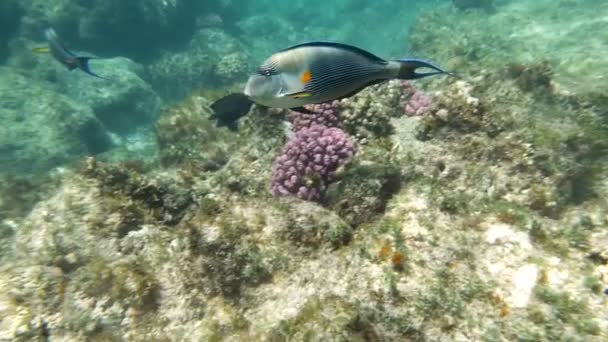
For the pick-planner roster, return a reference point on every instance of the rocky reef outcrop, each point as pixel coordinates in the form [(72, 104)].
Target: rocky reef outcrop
[(43, 128)]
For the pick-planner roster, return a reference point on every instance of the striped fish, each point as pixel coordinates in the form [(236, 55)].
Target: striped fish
[(323, 71), (63, 55)]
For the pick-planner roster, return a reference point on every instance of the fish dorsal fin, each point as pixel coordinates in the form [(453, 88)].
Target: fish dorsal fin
[(339, 46)]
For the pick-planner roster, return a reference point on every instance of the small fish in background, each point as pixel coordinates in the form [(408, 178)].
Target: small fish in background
[(229, 109), (319, 72), (63, 55)]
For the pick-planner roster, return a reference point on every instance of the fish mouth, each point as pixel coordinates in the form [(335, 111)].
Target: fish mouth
[(247, 92)]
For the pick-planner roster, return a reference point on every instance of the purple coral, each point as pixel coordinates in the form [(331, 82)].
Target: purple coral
[(326, 114), (307, 163), (418, 102)]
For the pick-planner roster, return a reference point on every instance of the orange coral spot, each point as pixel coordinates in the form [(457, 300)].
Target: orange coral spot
[(543, 277), (385, 252), (306, 77), (398, 259), (504, 311)]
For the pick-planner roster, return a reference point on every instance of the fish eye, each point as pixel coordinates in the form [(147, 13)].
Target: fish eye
[(265, 71)]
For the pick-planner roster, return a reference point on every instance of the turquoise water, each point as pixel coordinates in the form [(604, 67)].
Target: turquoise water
[(469, 207)]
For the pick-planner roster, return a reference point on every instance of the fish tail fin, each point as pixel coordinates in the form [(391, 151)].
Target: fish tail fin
[(83, 64), (408, 66)]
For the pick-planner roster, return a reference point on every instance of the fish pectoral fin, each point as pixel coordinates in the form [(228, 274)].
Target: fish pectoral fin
[(43, 49), (299, 94), (302, 110)]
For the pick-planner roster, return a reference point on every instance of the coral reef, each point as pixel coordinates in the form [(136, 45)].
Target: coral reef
[(417, 240), (366, 186), (232, 67), (456, 107), (482, 217), (419, 103), (308, 162), (368, 114)]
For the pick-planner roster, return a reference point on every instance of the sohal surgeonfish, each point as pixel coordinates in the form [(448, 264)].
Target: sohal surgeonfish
[(314, 73), (63, 55), (323, 71)]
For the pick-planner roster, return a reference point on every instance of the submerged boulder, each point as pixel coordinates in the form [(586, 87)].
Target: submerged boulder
[(123, 102), (42, 128)]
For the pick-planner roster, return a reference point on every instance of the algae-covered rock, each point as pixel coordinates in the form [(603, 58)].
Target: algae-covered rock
[(366, 116), (43, 128), (186, 134), (315, 321), (309, 226), (453, 108), (213, 58), (365, 187)]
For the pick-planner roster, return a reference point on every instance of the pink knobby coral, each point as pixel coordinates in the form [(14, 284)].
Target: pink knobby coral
[(418, 102), (307, 163), (326, 114)]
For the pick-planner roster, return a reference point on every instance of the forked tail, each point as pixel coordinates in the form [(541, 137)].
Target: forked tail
[(83, 64), (409, 66)]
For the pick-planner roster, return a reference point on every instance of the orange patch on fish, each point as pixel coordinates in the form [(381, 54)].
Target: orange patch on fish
[(306, 77)]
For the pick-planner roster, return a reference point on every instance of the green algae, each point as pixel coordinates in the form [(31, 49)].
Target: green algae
[(311, 323), (568, 310)]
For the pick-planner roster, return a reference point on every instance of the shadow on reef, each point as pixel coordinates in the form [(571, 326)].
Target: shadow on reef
[(486, 5), (364, 188), (532, 77), (19, 194), (165, 203)]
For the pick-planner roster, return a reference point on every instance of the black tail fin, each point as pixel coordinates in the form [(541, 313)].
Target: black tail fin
[(83, 64), (409, 66)]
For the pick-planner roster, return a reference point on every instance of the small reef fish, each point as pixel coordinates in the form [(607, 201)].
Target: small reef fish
[(318, 72), (230, 108), (65, 56)]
